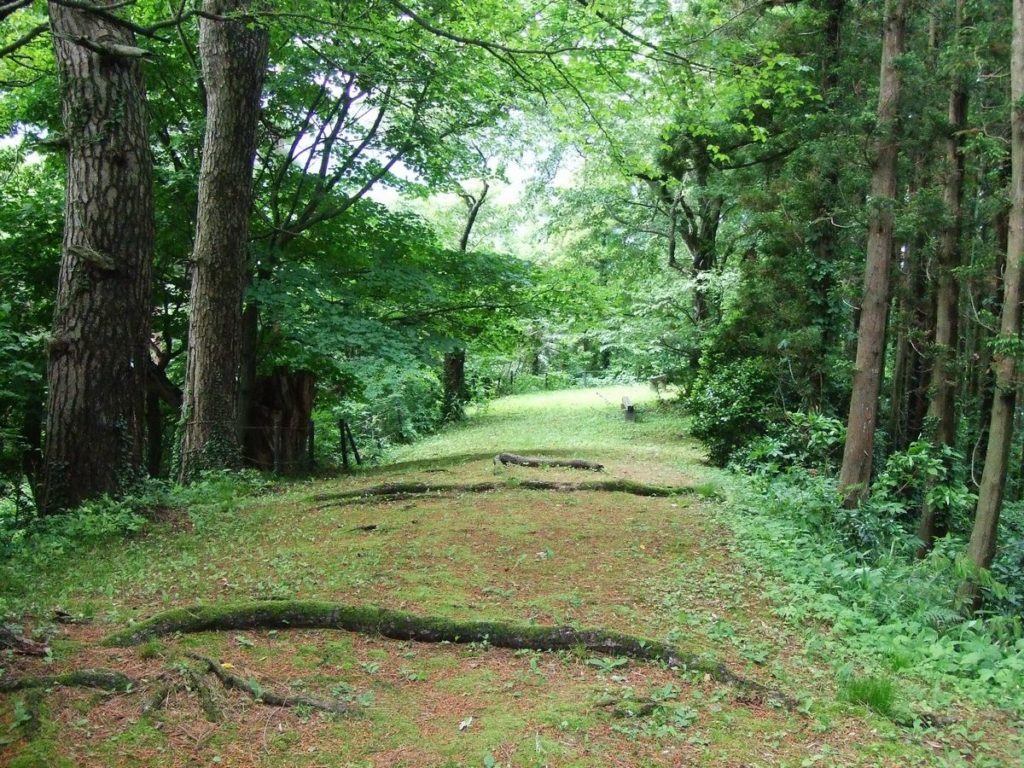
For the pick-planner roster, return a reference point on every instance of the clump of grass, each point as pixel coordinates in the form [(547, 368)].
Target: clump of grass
[(876, 693), (151, 649)]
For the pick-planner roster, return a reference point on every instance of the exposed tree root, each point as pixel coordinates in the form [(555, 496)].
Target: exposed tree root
[(543, 461), (195, 683), (103, 679), (159, 697), (265, 696), (20, 644), (397, 625), (395, 491), (630, 708)]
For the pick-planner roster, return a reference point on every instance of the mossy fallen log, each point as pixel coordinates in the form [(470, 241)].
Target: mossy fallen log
[(398, 625), (394, 491), (103, 679), (543, 461)]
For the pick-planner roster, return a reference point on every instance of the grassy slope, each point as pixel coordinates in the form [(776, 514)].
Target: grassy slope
[(662, 568)]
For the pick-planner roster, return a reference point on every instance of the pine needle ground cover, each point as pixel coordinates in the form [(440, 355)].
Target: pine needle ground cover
[(566, 626)]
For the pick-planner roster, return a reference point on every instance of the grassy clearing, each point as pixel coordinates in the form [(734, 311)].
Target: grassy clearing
[(658, 567)]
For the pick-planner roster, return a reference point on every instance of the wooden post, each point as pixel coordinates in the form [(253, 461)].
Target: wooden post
[(352, 440), (344, 444), (628, 409)]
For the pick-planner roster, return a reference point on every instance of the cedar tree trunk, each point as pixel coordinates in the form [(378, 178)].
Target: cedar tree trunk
[(855, 474), (941, 409), (982, 546)]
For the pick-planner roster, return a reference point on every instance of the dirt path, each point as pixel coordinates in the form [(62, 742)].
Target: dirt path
[(659, 568)]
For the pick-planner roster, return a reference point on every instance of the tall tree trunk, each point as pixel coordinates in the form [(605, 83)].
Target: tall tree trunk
[(855, 474), (824, 232), (234, 60), (941, 409), (981, 548), (453, 375), (454, 380), (96, 373)]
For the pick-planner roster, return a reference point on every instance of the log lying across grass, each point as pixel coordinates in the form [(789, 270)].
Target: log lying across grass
[(103, 679), (392, 491), (542, 461), (398, 625)]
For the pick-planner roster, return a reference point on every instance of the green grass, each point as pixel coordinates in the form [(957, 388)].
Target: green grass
[(665, 568), (876, 693)]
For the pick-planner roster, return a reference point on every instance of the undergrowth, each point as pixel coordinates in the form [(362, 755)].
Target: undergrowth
[(35, 549), (889, 612)]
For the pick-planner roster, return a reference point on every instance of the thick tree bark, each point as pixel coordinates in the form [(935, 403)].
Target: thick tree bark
[(982, 546), (97, 356), (454, 381), (234, 60), (855, 474), (941, 409)]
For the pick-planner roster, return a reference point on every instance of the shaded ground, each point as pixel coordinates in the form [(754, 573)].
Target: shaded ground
[(654, 567)]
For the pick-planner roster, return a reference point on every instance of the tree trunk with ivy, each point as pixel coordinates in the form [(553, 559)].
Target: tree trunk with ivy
[(855, 474), (454, 381), (234, 59), (97, 354), (981, 548)]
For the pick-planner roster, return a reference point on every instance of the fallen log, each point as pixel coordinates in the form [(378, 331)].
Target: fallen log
[(103, 679), (392, 491), (398, 625), (543, 461)]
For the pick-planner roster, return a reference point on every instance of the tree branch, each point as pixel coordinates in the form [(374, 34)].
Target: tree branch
[(24, 40)]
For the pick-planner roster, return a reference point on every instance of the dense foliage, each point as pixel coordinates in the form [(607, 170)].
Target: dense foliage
[(455, 201)]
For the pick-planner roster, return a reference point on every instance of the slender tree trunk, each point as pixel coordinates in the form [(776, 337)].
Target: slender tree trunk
[(826, 245), (453, 374), (941, 409), (97, 355), (234, 60), (473, 204), (855, 474), (981, 548)]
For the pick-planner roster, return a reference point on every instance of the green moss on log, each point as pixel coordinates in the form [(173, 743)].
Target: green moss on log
[(398, 625), (103, 679), (405, 490)]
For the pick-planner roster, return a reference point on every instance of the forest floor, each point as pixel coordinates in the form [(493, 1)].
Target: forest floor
[(662, 568)]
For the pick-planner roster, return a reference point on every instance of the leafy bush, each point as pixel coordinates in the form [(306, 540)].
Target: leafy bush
[(810, 440), (731, 403)]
